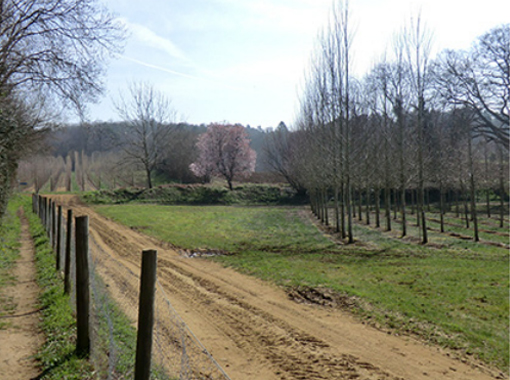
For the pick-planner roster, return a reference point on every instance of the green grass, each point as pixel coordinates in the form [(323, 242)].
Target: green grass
[(223, 227), (57, 356), (452, 225), (10, 229), (456, 297), (75, 188)]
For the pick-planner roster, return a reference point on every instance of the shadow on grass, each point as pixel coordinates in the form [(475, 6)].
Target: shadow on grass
[(74, 355)]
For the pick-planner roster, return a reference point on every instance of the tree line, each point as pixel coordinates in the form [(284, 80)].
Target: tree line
[(131, 153), (413, 127)]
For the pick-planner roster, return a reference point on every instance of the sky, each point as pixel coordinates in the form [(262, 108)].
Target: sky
[(243, 61)]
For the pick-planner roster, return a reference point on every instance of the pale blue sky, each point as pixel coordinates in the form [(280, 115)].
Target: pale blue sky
[(242, 61)]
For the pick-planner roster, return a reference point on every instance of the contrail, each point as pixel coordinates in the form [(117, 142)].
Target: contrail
[(176, 72)]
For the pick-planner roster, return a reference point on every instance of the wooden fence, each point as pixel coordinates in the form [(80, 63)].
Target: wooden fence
[(51, 217)]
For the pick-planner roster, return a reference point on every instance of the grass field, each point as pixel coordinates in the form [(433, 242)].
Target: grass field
[(456, 296)]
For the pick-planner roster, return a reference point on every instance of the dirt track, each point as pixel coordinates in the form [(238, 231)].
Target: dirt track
[(22, 337), (255, 332)]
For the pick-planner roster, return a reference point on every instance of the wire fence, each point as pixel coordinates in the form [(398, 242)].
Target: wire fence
[(114, 298)]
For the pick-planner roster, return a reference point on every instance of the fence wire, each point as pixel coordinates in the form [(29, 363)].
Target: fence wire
[(177, 349), (114, 297)]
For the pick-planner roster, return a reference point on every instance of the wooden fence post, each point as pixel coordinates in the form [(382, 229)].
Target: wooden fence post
[(82, 285), (67, 262), (48, 220), (146, 315), (53, 225), (45, 214), (59, 236)]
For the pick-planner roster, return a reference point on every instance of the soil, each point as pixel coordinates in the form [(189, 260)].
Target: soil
[(255, 330), (22, 337)]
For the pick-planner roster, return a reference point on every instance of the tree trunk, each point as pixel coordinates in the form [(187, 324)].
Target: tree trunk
[(487, 185), (326, 213), (395, 204), (401, 127), (501, 187), (488, 201), (403, 211), (466, 213), (313, 204), (472, 190), (457, 207), (413, 201), (149, 179), (342, 212), (387, 207), (337, 211), (367, 205), (319, 206), (441, 206), (448, 201), (473, 207), (377, 207), (354, 208), (423, 221), (418, 220), (360, 200), (350, 236), (421, 178), (322, 207), (466, 207)]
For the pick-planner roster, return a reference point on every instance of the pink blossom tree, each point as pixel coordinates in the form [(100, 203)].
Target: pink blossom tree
[(224, 150)]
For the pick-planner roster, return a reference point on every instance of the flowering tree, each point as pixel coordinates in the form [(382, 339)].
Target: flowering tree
[(224, 150)]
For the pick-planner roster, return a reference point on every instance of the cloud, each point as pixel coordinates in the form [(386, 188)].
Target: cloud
[(150, 38)]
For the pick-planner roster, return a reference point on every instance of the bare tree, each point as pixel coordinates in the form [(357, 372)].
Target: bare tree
[(149, 116), (54, 52), (56, 47), (480, 80), (281, 154), (417, 40), (326, 109)]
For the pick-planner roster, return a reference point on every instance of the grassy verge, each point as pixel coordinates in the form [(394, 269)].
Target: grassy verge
[(456, 296), (57, 356), (10, 229), (113, 336)]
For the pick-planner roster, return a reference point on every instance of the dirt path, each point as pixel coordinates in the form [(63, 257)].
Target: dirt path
[(22, 338), (256, 332)]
